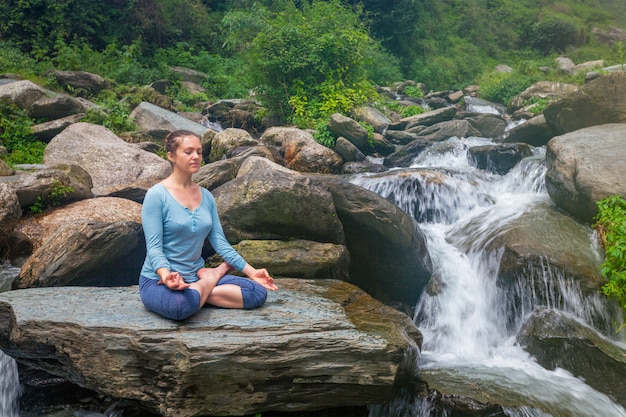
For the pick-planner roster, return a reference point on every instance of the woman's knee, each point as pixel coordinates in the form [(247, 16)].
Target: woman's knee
[(174, 305), (253, 294)]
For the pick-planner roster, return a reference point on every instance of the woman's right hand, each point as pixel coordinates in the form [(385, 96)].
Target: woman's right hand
[(174, 281)]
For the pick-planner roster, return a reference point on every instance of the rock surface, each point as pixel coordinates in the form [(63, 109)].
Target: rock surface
[(561, 341), (301, 152), (157, 122), (313, 345), (546, 237), (117, 168), (598, 102), (38, 184), (586, 166), (98, 242)]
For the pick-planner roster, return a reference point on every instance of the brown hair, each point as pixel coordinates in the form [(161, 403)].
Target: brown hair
[(173, 139)]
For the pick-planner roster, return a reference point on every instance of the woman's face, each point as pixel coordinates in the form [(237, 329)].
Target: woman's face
[(188, 155)]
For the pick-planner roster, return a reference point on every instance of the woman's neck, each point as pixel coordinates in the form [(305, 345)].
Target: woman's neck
[(181, 180)]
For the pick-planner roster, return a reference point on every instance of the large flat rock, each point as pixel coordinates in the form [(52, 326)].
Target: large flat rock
[(315, 344)]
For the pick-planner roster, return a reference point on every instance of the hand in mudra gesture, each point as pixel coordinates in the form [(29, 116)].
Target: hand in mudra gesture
[(262, 277), (174, 281)]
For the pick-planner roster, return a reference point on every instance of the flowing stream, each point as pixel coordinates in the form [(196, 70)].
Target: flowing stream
[(9, 387), (9, 381), (468, 327)]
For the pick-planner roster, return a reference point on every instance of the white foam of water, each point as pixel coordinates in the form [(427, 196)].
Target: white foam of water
[(8, 274), (464, 326), (9, 387)]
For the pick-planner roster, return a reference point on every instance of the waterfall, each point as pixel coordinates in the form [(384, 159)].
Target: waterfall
[(9, 387), (9, 381), (469, 326)]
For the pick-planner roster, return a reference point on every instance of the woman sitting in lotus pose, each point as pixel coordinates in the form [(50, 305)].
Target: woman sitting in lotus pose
[(177, 216)]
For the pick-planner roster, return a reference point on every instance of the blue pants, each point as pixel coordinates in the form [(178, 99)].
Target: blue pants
[(179, 305)]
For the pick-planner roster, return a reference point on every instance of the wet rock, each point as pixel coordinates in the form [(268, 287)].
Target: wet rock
[(342, 126), (558, 340), (498, 159), (314, 345), (535, 132), (267, 201), (157, 122), (296, 258)]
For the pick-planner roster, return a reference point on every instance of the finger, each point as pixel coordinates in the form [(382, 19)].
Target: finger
[(270, 285)]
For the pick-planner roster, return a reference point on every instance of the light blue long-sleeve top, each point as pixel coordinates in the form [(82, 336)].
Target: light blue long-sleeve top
[(175, 235)]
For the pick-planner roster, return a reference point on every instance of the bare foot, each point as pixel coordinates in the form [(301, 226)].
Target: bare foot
[(216, 273)]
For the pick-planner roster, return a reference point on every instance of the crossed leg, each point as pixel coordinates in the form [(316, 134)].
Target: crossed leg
[(227, 296)]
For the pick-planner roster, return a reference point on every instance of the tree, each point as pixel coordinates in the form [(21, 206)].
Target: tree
[(311, 61), (554, 35), (36, 25)]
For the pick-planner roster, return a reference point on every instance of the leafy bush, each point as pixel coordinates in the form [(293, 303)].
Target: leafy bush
[(611, 226), (311, 62), (54, 199), (324, 136), (554, 35), (385, 68), (16, 136), (413, 91), (113, 115), (539, 104), (407, 111), (123, 64), (13, 60), (501, 87)]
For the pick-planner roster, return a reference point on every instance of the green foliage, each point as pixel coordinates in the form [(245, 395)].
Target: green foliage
[(16, 136), (123, 64), (413, 91), (54, 199), (311, 62), (241, 26), (386, 105), (13, 60), (370, 132), (407, 111), (385, 68), (323, 136), (36, 25), (453, 64), (227, 76), (611, 225), (274, 48), (554, 35), (113, 114), (538, 104), (501, 87), (619, 53)]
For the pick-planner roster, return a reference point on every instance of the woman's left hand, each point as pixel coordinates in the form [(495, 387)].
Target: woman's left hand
[(262, 277)]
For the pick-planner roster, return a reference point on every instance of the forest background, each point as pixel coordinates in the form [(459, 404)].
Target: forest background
[(305, 60)]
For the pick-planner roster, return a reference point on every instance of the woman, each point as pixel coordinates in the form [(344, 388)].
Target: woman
[(177, 216)]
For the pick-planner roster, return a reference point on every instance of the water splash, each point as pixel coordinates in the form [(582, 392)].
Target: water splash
[(468, 322), (8, 274), (9, 387)]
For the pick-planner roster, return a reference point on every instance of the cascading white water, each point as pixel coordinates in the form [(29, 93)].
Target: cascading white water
[(467, 335), (9, 379), (9, 387)]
